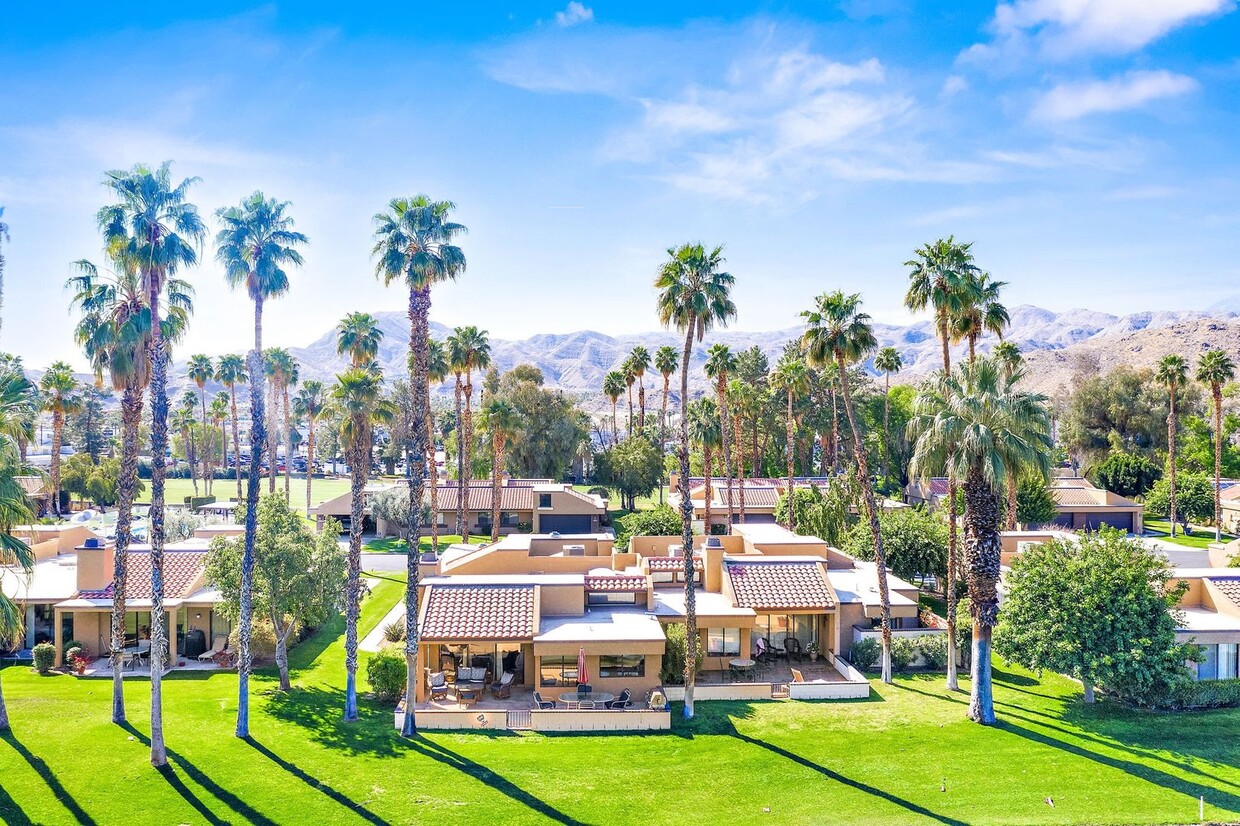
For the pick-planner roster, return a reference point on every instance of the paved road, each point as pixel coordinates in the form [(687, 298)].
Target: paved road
[(384, 562), (1178, 555)]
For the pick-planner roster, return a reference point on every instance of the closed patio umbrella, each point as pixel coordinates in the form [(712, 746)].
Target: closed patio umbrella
[(583, 676)]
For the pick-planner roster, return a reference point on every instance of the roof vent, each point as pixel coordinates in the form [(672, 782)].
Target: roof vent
[(92, 542), (713, 542)]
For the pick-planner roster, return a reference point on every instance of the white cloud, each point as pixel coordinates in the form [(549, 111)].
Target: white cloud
[(954, 85), (573, 14), (1070, 101), (1061, 28)]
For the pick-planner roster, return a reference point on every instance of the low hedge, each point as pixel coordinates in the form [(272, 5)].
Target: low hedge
[(1206, 694)]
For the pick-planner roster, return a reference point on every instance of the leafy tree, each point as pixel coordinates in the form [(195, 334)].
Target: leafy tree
[(914, 540), (1100, 609), (298, 575), (555, 427), (1194, 497), (826, 513), (98, 483), (658, 521), (85, 427), (632, 467), (1128, 474), (1034, 503)]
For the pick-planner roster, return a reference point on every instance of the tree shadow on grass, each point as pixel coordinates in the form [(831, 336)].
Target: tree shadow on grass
[(314, 783), (1215, 796), (10, 812), (200, 777), (49, 777)]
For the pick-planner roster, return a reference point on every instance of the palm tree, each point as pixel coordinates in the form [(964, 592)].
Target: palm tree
[(837, 331), (694, 296), (290, 375), (476, 350), (719, 364), (230, 372), (414, 243), (983, 313), (16, 405), (58, 387), (705, 431), (613, 388), (503, 420), (1010, 360), (639, 360), (745, 402), (200, 371), (114, 332), (887, 362), (181, 420), (255, 245), (358, 335), (977, 426), (1214, 370), (219, 414), (940, 277), (630, 376), (154, 225), (437, 372), (4, 236), (1172, 372), (792, 377), (358, 393), (457, 357), (309, 404), (665, 362)]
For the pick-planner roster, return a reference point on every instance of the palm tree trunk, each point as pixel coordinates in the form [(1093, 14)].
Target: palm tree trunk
[(288, 445), (708, 457), (615, 429), (982, 546), (415, 474), (740, 470), (58, 426), (461, 492), (309, 460), (497, 455), (887, 432), (949, 584), (273, 436), (1171, 457), (662, 434), (686, 527), (468, 464), (756, 470), (126, 484), (432, 473), (236, 434), (360, 451), (630, 426), (258, 438), (1216, 392), (880, 559), (159, 447), (725, 428), (206, 453), (790, 428), (1011, 501), (835, 433), (641, 404), (191, 453)]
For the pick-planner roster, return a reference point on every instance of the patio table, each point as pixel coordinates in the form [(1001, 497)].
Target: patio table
[(741, 666), (575, 698), (467, 695)]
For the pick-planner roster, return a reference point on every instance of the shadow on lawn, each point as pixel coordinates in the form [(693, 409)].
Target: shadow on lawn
[(49, 777), (314, 783)]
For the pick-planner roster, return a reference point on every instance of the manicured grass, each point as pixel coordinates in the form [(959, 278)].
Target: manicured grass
[(1201, 538), (905, 755), (392, 545), (322, 489)]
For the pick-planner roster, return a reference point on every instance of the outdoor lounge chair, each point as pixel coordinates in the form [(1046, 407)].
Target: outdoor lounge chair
[(793, 646), (622, 702), (539, 702), (797, 676), (218, 646), (438, 685), (503, 689)]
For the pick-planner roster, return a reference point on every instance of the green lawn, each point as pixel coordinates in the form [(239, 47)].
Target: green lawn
[(321, 490), (392, 545), (1201, 538), (906, 755)]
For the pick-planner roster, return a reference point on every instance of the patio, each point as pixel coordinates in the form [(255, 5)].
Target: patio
[(103, 668), (777, 672)]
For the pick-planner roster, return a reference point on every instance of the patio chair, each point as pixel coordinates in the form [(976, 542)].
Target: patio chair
[(797, 677), (793, 647), (622, 702), (503, 689), (584, 688), (218, 646), (540, 703), (438, 685), (586, 705)]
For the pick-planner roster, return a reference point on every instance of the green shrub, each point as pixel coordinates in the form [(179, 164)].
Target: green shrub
[(673, 670), (1206, 694), (386, 674), (44, 657), (394, 631), (71, 644), (934, 651), (262, 641), (903, 650), (865, 653)]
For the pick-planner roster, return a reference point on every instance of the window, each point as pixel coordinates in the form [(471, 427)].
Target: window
[(1219, 662), (611, 598), (544, 501), (553, 671), (509, 519), (723, 642), (622, 665)]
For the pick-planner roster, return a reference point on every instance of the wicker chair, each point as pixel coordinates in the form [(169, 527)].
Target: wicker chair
[(793, 646)]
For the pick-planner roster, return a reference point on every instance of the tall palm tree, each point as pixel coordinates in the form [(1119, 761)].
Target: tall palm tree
[(630, 377), (476, 349), (358, 336), (16, 405), (359, 395), (219, 414), (59, 389), (720, 363), (457, 357), (437, 372), (705, 431), (792, 378), (309, 404), (290, 376), (665, 359), (277, 363), (975, 424), (1010, 360), (836, 331), (415, 245), (154, 225), (941, 278), (888, 361), (503, 420), (694, 296), (639, 360), (1214, 370), (230, 372), (114, 331), (255, 245), (1172, 372), (181, 420), (200, 371), (745, 401), (982, 313), (4, 237), (613, 388)]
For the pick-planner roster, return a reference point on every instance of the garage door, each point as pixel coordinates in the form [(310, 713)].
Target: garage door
[(757, 519), (1123, 521), (564, 523)]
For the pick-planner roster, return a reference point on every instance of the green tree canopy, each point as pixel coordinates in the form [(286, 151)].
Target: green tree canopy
[(632, 467), (1034, 503), (659, 521), (1194, 497), (1128, 474), (914, 540)]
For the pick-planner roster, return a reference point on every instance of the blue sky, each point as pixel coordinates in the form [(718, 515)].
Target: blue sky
[(1087, 147)]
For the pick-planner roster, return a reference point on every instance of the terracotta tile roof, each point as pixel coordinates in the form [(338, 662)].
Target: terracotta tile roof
[(1229, 585), (511, 498), (787, 585), (666, 564), (617, 582), (756, 496), (182, 570), (1074, 496), (479, 612)]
